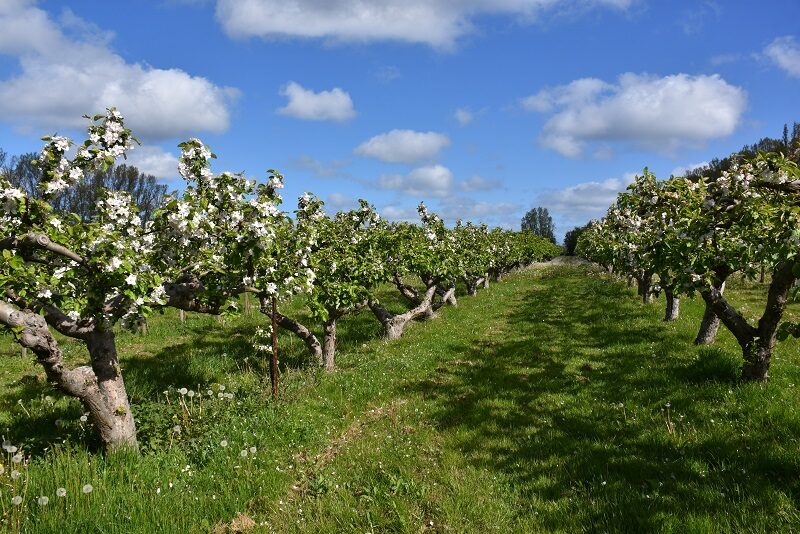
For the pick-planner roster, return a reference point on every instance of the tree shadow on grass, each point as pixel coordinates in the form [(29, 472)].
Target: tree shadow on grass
[(590, 404)]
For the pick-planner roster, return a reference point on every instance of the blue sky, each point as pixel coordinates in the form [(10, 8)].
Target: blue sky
[(482, 108)]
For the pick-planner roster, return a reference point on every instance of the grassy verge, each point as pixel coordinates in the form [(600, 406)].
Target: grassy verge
[(553, 401)]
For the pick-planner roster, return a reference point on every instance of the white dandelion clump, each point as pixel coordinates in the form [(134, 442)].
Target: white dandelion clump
[(43, 500), (87, 489), (61, 492), (17, 500)]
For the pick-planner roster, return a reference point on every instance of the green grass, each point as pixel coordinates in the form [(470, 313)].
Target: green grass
[(553, 401)]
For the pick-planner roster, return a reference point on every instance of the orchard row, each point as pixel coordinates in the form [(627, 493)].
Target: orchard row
[(694, 233), (222, 237)]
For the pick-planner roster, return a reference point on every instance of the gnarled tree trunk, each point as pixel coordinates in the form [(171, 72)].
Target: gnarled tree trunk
[(329, 347), (757, 343), (645, 281), (709, 326), (312, 343), (109, 405), (100, 387), (394, 325)]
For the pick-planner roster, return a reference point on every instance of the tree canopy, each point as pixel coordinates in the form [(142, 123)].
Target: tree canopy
[(539, 222)]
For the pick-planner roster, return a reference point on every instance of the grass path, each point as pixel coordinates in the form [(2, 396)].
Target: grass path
[(552, 402), (559, 403)]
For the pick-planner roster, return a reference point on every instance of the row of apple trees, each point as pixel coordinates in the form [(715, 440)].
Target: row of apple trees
[(222, 237), (692, 234)]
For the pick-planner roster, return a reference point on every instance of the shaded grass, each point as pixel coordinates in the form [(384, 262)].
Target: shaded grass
[(553, 401)]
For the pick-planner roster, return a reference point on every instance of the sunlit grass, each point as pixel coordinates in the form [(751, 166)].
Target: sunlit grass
[(553, 401)]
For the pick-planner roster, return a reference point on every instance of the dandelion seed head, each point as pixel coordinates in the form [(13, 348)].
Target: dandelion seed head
[(43, 500), (243, 454), (15, 474), (17, 458), (223, 443), (61, 492), (183, 391), (87, 489), (84, 419), (17, 500)]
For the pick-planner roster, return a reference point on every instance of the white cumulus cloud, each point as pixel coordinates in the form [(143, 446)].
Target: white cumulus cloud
[(467, 209), (785, 53), (153, 160), (463, 116), (437, 23), (479, 183), (67, 69), (404, 146), (584, 201), (423, 182), (340, 202), (662, 113), (397, 213), (333, 105)]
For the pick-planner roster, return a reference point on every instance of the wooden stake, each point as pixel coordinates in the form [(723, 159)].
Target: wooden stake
[(273, 370)]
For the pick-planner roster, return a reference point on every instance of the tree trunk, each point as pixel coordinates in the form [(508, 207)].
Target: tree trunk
[(99, 387), (394, 325), (472, 286), (486, 281), (756, 362), (709, 326), (673, 305), (450, 296), (631, 281), (757, 354), (312, 343), (646, 287), (409, 292), (757, 343), (329, 347), (109, 406)]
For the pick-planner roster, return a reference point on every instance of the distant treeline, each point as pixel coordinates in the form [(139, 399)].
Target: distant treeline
[(788, 144), (82, 199)]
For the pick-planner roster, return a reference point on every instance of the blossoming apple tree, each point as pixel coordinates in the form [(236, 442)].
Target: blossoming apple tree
[(78, 278)]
